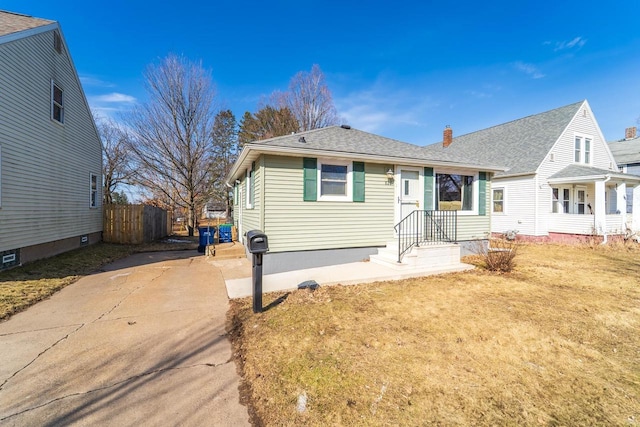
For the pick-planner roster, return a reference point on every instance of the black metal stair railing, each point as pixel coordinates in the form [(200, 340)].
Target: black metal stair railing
[(426, 227)]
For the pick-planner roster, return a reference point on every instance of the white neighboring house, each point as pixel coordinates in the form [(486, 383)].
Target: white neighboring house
[(50, 151), (627, 155), (562, 180)]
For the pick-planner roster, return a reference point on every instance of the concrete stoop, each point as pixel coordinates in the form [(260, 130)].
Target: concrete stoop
[(433, 256)]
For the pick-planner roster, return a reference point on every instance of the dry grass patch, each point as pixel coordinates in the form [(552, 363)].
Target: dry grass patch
[(24, 286), (553, 343)]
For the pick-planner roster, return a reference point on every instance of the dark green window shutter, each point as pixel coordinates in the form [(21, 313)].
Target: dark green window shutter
[(252, 183), (358, 181), (429, 181), (310, 166), (482, 193)]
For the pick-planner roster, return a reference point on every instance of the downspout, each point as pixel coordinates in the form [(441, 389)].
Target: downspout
[(535, 211), (604, 229)]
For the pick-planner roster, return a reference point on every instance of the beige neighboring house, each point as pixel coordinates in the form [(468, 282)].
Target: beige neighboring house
[(50, 151), (561, 181), (338, 195)]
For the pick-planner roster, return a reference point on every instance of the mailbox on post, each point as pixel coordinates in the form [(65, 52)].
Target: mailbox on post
[(257, 244)]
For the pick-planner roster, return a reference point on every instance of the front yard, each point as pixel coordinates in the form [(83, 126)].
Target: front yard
[(555, 342)]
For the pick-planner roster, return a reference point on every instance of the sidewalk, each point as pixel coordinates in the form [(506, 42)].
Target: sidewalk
[(142, 343), (237, 274)]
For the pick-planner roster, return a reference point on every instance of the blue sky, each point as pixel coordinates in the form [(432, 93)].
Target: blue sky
[(400, 69)]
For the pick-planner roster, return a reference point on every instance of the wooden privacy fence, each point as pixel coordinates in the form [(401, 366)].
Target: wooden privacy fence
[(134, 224)]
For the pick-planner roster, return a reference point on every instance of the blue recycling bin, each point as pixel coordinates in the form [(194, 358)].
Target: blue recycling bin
[(224, 233), (206, 235)]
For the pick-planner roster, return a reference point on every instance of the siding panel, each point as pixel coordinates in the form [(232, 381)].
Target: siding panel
[(45, 167)]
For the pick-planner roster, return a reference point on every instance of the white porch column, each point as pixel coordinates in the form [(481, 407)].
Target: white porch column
[(600, 209), (621, 204), (635, 209)]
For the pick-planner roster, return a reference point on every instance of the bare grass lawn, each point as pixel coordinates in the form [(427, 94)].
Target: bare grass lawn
[(555, 342)]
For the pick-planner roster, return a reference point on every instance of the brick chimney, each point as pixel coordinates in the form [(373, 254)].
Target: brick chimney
[(630, 133), (447, 136)]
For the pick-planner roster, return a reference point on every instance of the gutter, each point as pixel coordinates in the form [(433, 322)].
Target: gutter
[(286, 151)]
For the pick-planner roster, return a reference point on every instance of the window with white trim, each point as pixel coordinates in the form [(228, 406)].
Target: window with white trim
[(560, 200), (582, 149), (454, 192), (93, 197), (250, 197), (498, 200), (334, 180), (57, 103)]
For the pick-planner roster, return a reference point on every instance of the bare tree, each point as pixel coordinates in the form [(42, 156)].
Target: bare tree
[(172, 134), (268, 122), (310, 100), (116, 160)]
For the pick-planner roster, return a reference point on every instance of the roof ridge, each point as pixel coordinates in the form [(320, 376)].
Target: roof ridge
[(521, 119)]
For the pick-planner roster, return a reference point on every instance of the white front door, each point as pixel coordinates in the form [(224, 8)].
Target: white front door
[(409, 192)]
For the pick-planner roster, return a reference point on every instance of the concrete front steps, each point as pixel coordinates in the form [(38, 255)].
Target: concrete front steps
[(439, 256)]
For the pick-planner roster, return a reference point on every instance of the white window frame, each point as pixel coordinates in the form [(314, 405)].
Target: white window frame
[(504, 193), (93, 192), (248, 204), (561, 200), (475, 188), (54, 103), (348, 197), (580, 153)]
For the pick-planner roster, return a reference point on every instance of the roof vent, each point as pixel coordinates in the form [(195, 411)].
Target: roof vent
[(301, 139), (345, 126)]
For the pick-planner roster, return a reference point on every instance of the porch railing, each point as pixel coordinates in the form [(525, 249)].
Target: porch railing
[(424, 228)]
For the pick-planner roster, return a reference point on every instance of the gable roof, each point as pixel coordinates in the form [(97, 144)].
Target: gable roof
[(521, 144), (626, 152), (344, 141), (574, 173), (11, 23)]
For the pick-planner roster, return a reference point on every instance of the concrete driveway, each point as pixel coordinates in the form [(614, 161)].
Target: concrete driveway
[(142, 343)]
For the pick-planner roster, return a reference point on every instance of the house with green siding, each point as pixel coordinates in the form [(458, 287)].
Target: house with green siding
[(338, 195), (50, 151)]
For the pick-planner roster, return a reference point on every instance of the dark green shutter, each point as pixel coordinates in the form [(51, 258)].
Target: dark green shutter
[(429, 181), (482, 193), (310, 175), (358, 181)]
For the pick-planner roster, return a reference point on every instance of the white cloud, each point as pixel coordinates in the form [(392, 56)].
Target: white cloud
[(576, 42), (528, 69), (114, 97), (87, 80)]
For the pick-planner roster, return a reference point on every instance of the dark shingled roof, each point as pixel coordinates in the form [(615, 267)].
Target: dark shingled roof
[(626, 152), (353, 141), (11, 22), (521, 145)]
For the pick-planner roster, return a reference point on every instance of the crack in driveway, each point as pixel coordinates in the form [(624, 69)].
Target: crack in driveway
[(116, 384)]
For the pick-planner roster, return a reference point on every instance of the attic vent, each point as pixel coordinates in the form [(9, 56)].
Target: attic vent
[(301, 139), (551, 157), (57, 42), (345, 126), (584, 113)]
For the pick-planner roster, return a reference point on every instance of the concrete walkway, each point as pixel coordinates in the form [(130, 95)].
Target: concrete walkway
[(142, 343), (237, 274)]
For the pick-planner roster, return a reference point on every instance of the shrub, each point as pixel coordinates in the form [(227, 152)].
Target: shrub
[(499, 254)]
